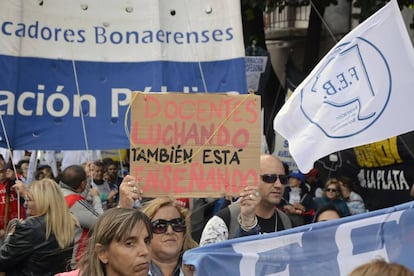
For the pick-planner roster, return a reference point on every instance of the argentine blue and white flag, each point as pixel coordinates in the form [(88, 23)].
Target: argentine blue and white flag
[(330, 248), (359, 93)]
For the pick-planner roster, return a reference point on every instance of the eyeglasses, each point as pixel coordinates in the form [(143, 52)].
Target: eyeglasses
[(272, 178), (331, 190), (160, 226)]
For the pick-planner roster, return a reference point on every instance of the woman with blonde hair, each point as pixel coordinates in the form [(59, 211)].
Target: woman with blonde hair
[(332, 195), (41, 244), (171, 235)]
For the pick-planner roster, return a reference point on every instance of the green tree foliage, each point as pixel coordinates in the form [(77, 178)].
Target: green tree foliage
[(253, 30), (369, 7)]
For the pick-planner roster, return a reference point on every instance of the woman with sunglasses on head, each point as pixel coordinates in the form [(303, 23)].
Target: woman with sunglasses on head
[(332, 195), (171, 235)]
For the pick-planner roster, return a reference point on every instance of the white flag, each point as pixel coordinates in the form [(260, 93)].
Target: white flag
[(78, 157), (50, 158), (32, 167), (359, 93)]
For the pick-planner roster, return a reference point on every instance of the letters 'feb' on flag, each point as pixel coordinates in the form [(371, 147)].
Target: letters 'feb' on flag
[(359, 93)]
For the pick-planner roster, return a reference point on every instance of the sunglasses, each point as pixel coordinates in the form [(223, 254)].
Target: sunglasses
[(331, 190), (160, 226), (272, 178)]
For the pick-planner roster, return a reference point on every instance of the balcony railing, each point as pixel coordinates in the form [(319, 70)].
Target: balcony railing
[(288, 18)]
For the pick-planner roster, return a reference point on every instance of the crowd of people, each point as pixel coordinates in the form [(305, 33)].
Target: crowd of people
[(85, 221)]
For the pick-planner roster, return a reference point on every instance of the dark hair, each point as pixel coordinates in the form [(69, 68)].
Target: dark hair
[(349, 183), (109, 161), (99, 163), (10, 165), (44, 166), (21, 162), (327, 207), (39, 175), (73, 176)]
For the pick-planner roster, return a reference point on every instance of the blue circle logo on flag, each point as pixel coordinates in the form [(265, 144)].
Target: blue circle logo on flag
[(350, 90)]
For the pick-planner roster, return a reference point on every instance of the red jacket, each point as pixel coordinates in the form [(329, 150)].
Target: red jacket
[(8, 194)]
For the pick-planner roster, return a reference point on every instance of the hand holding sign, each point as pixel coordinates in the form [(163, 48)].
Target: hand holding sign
[(249, 198), (129, 192)]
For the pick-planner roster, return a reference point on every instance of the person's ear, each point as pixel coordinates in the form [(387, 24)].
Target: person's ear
[(101, 253), (84, 183)]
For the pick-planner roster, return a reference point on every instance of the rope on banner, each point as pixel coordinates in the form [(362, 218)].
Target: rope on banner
[(83, 7), (75, 73), (195, 52)]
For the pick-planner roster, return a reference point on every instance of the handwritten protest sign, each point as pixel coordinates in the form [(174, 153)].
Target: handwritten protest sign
[(195, 145)]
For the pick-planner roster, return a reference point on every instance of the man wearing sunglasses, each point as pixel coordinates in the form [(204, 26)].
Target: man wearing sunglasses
[(256, 210)]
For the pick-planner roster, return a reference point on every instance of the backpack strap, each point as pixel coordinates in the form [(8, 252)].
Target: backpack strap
[(224, 214), (287, 223), (229, 216), (234, 223)]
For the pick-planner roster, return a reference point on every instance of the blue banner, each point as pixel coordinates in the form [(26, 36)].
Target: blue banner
[(327, 248), (67, 73)]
